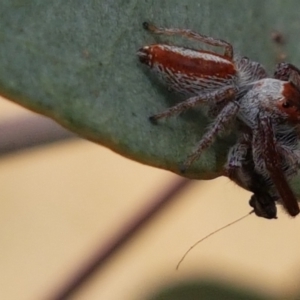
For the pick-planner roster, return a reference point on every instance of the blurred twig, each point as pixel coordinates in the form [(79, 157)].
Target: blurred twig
[(25, 132), (20, 133), (105, 252)]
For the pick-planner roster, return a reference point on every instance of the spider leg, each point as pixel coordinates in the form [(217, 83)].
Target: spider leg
[(240, 169), (284, 71), (273, 165), (228, 113), (234, 168), (192, 35), (223, 94), (292, 157)]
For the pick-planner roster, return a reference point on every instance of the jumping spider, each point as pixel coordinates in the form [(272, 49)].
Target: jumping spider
[(265, 110)]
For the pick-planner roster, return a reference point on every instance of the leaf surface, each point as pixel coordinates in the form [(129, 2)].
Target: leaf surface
[(75, 61)]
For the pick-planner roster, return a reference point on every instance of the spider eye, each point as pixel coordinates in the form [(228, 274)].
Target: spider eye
[(286, 104)]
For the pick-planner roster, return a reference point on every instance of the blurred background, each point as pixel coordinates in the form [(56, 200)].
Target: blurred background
[(62, 203)]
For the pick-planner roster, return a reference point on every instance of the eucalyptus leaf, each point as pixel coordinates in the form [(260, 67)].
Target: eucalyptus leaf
[(75, 61)]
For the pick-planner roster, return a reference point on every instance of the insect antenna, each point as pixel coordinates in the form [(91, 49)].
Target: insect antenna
[(209, 235)]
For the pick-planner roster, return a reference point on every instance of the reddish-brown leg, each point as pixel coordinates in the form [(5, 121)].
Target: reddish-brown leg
[(273, 165), (192, 35), (286, 71)]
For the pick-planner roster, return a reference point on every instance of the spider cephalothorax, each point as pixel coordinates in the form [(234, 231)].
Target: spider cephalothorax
[(266, 111)]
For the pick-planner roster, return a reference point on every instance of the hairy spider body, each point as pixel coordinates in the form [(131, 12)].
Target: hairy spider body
[(263, 162), (236, 88), (267, 154)]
